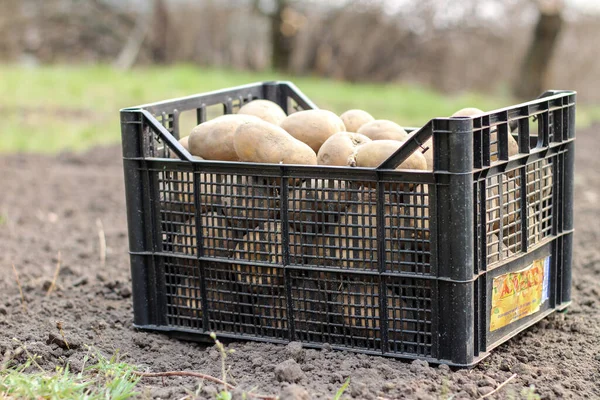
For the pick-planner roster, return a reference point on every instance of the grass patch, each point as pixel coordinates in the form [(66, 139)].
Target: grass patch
[(105, 379), (52, 108)]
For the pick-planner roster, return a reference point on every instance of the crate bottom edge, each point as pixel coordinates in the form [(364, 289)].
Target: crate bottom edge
[(203, 336), (200, 336)]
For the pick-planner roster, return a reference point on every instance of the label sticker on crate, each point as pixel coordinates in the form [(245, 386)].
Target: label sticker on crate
[(518, 294)]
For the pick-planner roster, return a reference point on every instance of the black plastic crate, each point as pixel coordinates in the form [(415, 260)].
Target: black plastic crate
[(408, 264)]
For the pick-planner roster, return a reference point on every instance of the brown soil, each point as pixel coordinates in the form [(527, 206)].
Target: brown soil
[(51, 204)]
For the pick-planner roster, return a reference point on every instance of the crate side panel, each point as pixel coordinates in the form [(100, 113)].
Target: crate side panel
[(183, 293), (337, 308), (333, 223), (410, 302), (246, 300), (407, 228)]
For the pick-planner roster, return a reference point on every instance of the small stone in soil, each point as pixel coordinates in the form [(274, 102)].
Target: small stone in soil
[(289, 371), (471, 389), (357, 389), (257, 361), (209, 391), (295, 351), (558, 390), (485, 390), (112, 285), (418, 366), (486, 381), (336, 378), (294, 392), (75, 365), (125, 292), (60, 342), (80, 282), (505, 365)]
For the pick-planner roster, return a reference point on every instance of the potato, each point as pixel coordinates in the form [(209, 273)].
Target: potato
[(189, 294), (217, 237), (311, 303), (510, 199), (538, 190), (492, 204), (539, 183), (360, 311), (511, 230), (262, 244), (340, 149), (372, 154), (218, 241), (513, 146), (417, 211), (304, 207), (313, 127), (261, 142), (382, 129), (354, 119), (179, 192), (187, 300), (493, 250), (264, 109), (184, 141), (248, 201), (317, 202), (534, 234), (511, 233), (352, 242), (213, 140), (467, 112)]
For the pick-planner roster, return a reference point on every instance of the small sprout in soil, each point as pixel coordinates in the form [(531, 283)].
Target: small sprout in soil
[(342, 389), (224, 394), (530, 394), (23, 304)]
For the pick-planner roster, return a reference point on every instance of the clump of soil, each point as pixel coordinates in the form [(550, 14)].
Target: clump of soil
[(52, 204)]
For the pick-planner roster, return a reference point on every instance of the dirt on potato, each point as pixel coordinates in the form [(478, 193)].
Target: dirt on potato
[(60, 204)]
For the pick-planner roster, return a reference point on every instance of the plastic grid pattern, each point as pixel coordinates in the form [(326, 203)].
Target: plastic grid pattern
[(319, 279)]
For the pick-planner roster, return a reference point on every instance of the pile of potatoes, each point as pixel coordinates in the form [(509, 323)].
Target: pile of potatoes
[(261, 132)]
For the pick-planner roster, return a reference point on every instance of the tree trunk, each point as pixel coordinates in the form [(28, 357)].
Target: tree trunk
[(281, 43), (160, 28), (533, 77)]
